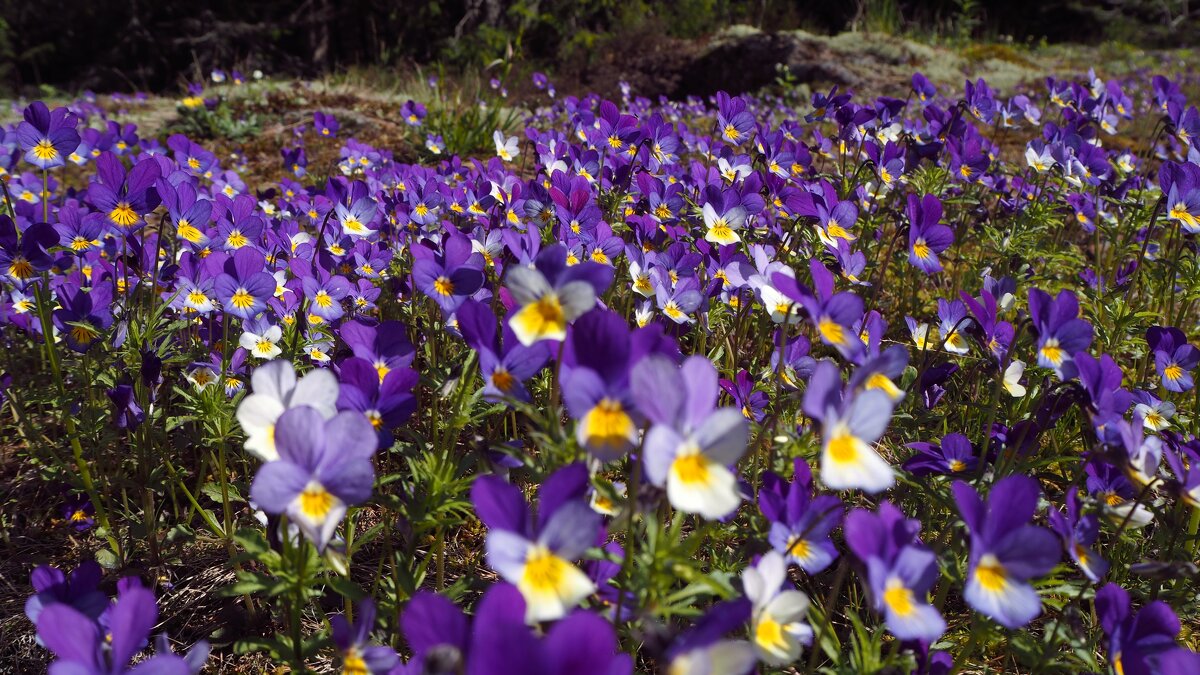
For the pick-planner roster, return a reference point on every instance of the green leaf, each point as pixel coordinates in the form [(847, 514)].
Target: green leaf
[(345, 588)]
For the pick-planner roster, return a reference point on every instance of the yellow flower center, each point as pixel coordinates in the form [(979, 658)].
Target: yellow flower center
[(832, 331), (83, 334), (898, 598), (123, 214), (242, 299), (236, 239), (503, 380), (991, 574), (799, 548), (768, 634), (607, 424), (20, 268), (544, 571), (316, 502), (843, 447), (883, 383), (691, 468), (353, 663), (1052, 352), (44, 150)]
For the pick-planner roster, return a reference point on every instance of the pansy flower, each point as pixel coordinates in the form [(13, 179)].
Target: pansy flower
[(734, 121), (599, 355), (901, 570), (386, 345), (325, 293), (1078, 532), (325, 124), (752, 402), (1181, 185), (677, 301), (79, 590), (800, 523), (359, 657), (82, 648), (692, 444), (926, 236), (552, 294), (505, 366), (954, 454), (702, 649), (386, 402), (25, 254), (127, 414), (1184, 460), (244, 285), (83, 316), (507, 147), (47, 136), (324, 467), (357, 218), (722, 218), (1144, 642), (1060, 332), (952, 326), (535, 554), (124, 198), (1110, 485), (1006, 550), (451, 276), (275, 390), (77, 511), (851, 423), (497, 640), (881, 371), (260, 338), (190, 213), (1174, 357), (833, 314), (778, 611)]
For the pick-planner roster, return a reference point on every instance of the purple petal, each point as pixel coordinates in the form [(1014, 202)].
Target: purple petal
[(499, 505), (568, 484), (581, 644), (69, 634), (431, 620), (277, 485)]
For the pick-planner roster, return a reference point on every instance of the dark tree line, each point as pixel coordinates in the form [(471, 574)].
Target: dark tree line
[(155, 44)]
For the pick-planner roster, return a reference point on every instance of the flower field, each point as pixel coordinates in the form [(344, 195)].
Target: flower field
[(756, 383)]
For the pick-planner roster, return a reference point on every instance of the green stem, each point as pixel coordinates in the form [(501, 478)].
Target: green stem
[(81, 464)]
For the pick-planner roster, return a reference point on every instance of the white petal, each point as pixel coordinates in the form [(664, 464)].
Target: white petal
[(863, 469), (274, 379), (714, 497), (319, 389), (577, 297), (526, 285)]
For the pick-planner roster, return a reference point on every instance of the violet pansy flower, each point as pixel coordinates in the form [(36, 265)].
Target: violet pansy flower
[(692, 444), (1006, 550), (535, 554), (324, 467), (851, 424)]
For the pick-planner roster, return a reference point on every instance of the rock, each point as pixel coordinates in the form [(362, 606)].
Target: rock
[(743, 58)]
